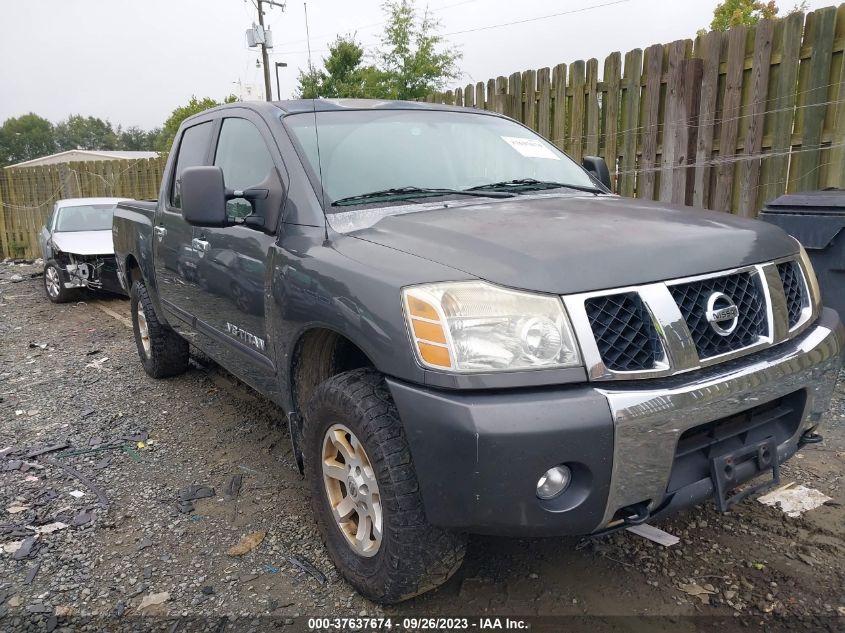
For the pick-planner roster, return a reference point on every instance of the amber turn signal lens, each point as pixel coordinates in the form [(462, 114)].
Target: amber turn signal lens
[(428, 331), (434, 355), (419, 308)]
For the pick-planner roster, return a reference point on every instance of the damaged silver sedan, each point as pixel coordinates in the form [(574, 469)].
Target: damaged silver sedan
[(77, 247)]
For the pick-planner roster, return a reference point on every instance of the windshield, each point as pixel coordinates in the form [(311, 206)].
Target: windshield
[(365, 151), (88, 217)]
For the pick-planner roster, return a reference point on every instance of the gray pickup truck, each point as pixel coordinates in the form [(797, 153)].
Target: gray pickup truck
[(468, 332)]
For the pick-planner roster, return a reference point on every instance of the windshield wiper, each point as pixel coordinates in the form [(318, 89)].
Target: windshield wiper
[(407, 193), (532, 184)]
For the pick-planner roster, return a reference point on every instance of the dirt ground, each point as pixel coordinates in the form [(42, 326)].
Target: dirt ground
[(70, 374)]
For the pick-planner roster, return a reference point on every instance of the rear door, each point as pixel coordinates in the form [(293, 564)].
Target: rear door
[(175, 257), (233, 270)]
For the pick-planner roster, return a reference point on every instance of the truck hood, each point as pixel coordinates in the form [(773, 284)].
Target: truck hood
[(578, 243), (85, 242)]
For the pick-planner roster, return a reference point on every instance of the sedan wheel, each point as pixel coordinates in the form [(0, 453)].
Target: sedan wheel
[(52, 281), (54, 285)]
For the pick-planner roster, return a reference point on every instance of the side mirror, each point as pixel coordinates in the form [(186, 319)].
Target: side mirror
[(204, 197), (598, 168)]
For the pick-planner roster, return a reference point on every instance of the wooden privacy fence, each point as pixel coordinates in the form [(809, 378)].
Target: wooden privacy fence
[(27, 194), (727, 121)]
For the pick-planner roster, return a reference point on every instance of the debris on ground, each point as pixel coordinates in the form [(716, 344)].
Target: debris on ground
[(308, 567), (654, 534), (794, 500), (186, 496), (153, 599), (101, 496), (247, 544), (702, 593), (233, 487)]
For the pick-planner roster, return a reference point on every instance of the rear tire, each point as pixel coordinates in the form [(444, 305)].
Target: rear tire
[(54, 285), (412, 556), (163, 352)]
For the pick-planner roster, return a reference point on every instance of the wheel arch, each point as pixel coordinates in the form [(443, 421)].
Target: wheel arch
[(318, 353)]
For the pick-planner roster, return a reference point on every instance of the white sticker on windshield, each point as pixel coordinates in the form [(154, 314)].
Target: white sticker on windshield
[(530, 147)]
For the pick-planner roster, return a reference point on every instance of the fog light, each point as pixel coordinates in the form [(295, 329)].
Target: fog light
[(553, 482)]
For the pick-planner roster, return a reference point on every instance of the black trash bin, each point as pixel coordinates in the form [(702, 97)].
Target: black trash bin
[(816, 219)]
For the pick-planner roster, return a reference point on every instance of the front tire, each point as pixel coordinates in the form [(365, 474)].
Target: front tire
[(54, 285), (163, 352), (365, 494)]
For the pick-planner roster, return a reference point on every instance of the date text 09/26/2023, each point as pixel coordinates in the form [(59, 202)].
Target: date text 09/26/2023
[(417, 624)]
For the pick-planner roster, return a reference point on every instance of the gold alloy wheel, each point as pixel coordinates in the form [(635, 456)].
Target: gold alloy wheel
[(352, 490), (144, 331)]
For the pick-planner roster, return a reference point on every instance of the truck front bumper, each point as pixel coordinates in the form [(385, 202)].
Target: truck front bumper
[(638, 444)]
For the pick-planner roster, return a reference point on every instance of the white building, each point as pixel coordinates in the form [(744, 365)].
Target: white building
[(83, 155)]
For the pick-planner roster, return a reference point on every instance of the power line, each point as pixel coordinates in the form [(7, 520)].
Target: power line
[(538, 18), (496, 26)]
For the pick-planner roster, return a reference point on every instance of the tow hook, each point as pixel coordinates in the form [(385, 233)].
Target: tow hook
[(810, 437), (636, 514)]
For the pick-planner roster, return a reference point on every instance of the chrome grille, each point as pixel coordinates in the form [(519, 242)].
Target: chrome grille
[(745, 290), (660, 329), (625, 334), (793, 289)]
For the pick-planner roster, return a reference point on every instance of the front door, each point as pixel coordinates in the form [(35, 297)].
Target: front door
[(175, 256), (233, 270)]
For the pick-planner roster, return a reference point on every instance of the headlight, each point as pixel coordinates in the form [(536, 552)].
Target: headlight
[(812, 281), (474, 326)]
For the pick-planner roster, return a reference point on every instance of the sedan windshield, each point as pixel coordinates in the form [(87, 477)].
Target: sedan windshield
[(88, 217), (362, 152)]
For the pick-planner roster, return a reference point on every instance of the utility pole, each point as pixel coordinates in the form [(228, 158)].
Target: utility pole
[(265, 60)]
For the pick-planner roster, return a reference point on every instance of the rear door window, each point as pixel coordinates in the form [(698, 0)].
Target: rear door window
[(192, 152)]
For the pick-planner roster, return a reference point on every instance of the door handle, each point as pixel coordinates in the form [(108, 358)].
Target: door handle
[(200, 246), (160, 232)]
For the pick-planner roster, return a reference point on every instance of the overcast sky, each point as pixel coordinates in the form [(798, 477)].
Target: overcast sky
[(133, 61)]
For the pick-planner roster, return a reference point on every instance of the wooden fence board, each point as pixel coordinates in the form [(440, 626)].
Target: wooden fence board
[(611, 102), (675, 129), (515, 92), (817, 89), (711, 46), (650, 120), (529, 83), (558, 136), (836, 154), (4, 236), (591, 147), (577, 80), (749, 169), (781, 105), (544, 103), (731, 110), (630, 121)]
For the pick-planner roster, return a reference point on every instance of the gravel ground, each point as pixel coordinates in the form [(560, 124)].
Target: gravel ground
[(117, 546)]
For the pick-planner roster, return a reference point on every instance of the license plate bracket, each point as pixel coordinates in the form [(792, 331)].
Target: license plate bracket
[(725, 470)]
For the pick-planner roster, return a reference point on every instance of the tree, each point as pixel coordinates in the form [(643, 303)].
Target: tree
[(79, 132), (171, 125), (412, 61), (135, 139), (24, 138), (732, 13), (344, 74)]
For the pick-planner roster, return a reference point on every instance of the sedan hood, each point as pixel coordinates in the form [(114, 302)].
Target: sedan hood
[(578, 243), (85, 242)]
